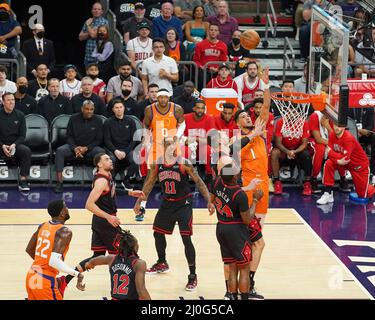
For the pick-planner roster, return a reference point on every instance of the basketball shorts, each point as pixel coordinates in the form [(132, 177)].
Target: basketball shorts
[(255, 230), (104, 236), (262, 205), (234, 243), (171, 212), (41, 287)]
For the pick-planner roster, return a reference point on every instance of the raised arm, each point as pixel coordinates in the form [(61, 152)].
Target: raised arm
[(265, 111)]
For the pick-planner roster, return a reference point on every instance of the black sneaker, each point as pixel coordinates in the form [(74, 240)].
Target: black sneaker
[(23, 186), (127, 186), (227, 296), (344, 186), (58, 188), (141, 215), (315, 186), (253, 295)]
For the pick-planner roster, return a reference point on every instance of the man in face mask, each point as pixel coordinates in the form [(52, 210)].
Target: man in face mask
[(38, 50), (237, 53), (131, 106), (92, 71), (24, 102), (115, 83), (9, 30)]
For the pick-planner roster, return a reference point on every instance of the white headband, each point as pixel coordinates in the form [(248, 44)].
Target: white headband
[(163, 93)]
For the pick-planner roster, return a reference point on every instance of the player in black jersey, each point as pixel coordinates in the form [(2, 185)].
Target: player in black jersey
[(232, 233), (127, 270), (102, 203), (176, 206)]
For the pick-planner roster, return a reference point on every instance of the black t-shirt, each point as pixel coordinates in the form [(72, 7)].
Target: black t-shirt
[(27, 104), (186, 104), (236, 56), (37, 90), (131, 107), (124, 9)]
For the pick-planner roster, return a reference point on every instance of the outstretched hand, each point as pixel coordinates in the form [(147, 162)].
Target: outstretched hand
[(266, 75), (253, 183)]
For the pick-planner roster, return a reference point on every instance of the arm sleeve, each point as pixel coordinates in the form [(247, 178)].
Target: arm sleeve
[(239, 144), (56, 262), (22, 131), (107, 137)]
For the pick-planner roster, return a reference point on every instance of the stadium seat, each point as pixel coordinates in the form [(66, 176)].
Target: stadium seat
[(37, 137), (59, 127)]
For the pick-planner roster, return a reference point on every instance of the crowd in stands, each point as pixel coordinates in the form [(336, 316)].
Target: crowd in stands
[(200, 31)]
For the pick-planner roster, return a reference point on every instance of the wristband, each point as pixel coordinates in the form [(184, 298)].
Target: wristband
[(266, 86)]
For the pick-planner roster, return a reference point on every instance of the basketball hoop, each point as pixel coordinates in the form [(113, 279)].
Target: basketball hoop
[(294, 108)]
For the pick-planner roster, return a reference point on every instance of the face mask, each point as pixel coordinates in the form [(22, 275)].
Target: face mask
[(4, 16), (40, 34), (101, 35), (22, 89), (236, 41), (126, 93)]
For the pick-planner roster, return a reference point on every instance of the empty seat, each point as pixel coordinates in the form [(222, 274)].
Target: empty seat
[(37, 137)]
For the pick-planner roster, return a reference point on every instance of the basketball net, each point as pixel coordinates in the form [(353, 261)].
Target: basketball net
[(293, 114)]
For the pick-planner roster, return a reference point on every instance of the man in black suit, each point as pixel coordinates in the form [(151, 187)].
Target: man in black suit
[(38, 50)]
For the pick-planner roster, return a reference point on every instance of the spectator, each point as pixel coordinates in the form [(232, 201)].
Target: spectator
[(210, 8), (54, 104), (223, 79), (288, 87), (165, 21), (123, 10), (131, 107), (84, 137), (38, 87), (38, 50), (225, 120), (174, 48), (130, 26), (320, 128), (300, 84), (87, 87), (70, 86), (119, 132), (305, 34), (248, 83), (140, 48), (198, 125), (104, 53), (186, 100), (259, 94), (238, 53), (210, 49), (153, 8), (153, 89), (183, 9), (5, 84), (227, 24), (89, 31), (159, 68), (12, 136), (92, 71), (196, 29), (9, 30), (114, 85), (24, 102), (293, 150), (298, 16), (368, 66)]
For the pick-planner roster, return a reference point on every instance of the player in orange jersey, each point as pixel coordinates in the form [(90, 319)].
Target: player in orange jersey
[(164, 119), (48, 247), (254, 164)]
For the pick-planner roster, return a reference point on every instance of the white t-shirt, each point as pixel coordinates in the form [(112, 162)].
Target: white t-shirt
[(151, 68), (9, 86), (142, 50), (70, 90)]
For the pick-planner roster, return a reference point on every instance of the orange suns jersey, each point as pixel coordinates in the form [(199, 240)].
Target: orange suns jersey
[(254, 158), (44, 247), (163, 125)]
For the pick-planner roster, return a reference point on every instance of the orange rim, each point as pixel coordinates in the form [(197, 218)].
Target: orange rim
[(318, 101)]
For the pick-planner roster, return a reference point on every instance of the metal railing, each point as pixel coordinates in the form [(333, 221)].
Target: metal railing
[(205, 68), (288, 49), (269, 23), (10, 63)]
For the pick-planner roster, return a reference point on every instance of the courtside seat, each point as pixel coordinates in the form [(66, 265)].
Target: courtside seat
[(37, 137), (59, 127)]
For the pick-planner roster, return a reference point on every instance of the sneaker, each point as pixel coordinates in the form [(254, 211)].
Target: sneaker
[(271, 188), (127, 186), (158, 267), (23, 186), (315, 186), (58, 188), (227, 296), (344, 186), (253, 295), (141, 215), (61, 285), (372, 180), (307, 191), (192, 283), (278, 187), (325, 198)]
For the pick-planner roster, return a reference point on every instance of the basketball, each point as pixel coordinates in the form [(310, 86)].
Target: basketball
[(250, 39)]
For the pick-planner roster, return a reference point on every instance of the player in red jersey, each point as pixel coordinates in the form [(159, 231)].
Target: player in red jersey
[(344, 150), (223, 80), (225, 121)]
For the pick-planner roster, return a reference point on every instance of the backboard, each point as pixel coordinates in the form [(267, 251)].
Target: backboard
[(328, 64)]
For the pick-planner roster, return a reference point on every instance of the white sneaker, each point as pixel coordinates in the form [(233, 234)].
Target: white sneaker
[(325, 198), (372, 180)]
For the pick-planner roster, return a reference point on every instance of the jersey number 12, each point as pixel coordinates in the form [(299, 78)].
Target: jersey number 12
[(121, 288)]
